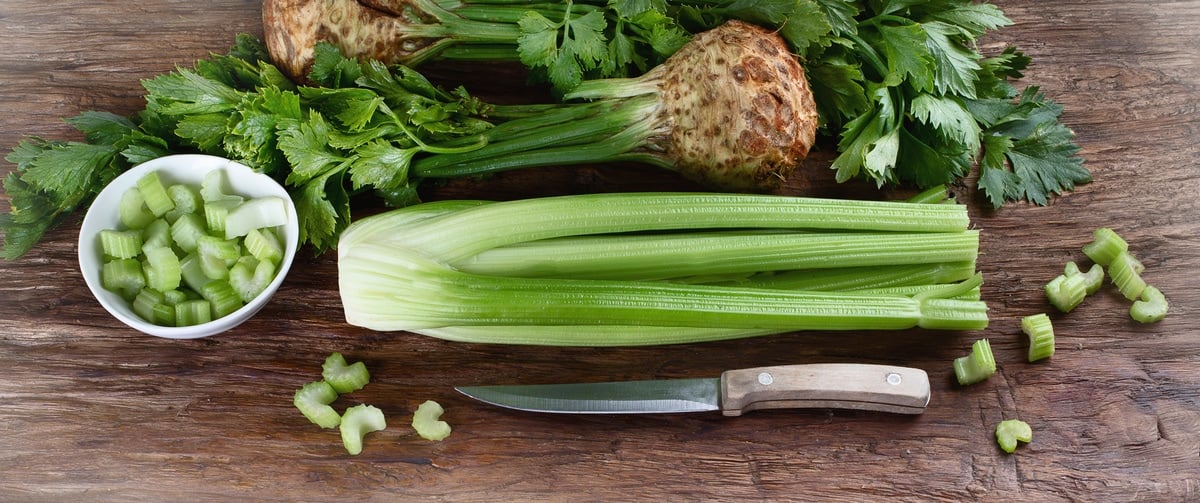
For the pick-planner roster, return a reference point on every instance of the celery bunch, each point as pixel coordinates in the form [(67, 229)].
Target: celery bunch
[(659, 268)]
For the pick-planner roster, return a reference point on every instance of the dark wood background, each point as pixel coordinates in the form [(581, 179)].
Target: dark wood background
[(93, 411)]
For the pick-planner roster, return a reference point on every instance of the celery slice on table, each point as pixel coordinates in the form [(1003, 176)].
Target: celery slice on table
[(121, 244), (427, 421), (357, 422), (1009, 431), (313, 400), (977, 366), (1105, 246), (1066, 292), (155, 194), (342, 376), (1150, 307), (1093, 279), (1041, 336), (1125, 271)]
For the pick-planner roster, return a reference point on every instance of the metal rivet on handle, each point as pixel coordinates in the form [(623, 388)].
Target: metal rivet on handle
[(765, 378), (893, 378)]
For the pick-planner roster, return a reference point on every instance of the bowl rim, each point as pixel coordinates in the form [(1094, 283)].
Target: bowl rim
[(241, 179)]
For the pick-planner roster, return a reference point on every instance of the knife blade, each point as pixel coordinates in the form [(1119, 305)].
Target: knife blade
[(858, 386)]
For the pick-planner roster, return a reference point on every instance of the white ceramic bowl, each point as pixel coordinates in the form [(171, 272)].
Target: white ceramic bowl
[(190, 169)]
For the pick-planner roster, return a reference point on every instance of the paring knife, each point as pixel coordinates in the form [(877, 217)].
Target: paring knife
[(857, 386)]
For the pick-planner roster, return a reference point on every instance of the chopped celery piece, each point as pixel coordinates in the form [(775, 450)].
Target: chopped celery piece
[(133, 211), (157, 233), (192, 272), (163, 315), (357, 422), (1009, 431), (1093, 279), (1066, 292), (143, 304), (123, 276), (187, 230), (192, 312), (977, 366), (1151, 307), (250, 276), (215, 187), (313, 400), (257, 213), (426, 420), (1041, 336), (222, 296), (172, 297), (163, 272), (216, 213), (264, 245), (344, 378), (1105, 246), (217, 255), (1125, 271), (155, 194), (121, 244), (187, 201)]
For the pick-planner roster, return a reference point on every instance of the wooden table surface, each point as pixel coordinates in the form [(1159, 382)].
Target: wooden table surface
[(93, 411)]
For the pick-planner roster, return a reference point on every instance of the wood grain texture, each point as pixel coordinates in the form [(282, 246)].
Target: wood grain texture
[(92, 411)]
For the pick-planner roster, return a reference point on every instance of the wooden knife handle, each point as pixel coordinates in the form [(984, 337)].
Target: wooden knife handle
[(858, 386)]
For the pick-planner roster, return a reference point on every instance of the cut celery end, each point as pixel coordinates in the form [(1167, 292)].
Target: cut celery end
[(357, 422), (217, 255), (222, 296), (1009, 431), (121, 244), (163, 271), (257, 213), (426, 421), (313, 401), (132, 210), (192, 312), (155, 194), (172, 297), (123, 276), (187, 201), (1105, 246), (977, 366), (1151, 307), (1041, 336), (343, 377), (264, 244), (187, 230)]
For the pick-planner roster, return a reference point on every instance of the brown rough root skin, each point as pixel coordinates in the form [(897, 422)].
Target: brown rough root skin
[(373, 29), (740, 110)]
